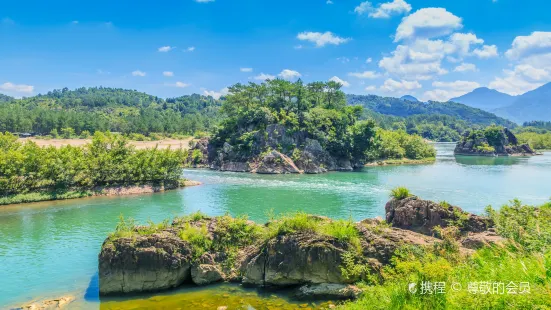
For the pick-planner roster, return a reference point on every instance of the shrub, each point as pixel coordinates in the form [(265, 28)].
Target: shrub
[(400, 193), (197, 237)]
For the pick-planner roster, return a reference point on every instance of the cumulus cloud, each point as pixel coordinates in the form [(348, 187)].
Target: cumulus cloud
[(289, 74), (364, 75), (264, 77), (385, 10), (138, 73), (217, 94), (246, 69), (465, 67), (462, 42), (165, 48), (427, 23), (399, 87), (446, 90), (487, 51), (322, 39), (16, 89), (168, 73), (181, 84), (530, 58), (340, 81)]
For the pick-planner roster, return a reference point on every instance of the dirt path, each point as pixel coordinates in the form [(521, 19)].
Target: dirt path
[(162, 144)]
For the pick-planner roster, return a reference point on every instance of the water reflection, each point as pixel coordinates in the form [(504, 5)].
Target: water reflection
[(488, 160)]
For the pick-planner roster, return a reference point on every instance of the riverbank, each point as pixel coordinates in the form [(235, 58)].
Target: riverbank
[(140, 145), (403, 161), (47, 195)]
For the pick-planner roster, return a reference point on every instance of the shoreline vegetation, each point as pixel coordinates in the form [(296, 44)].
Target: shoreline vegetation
[(107, 166), (372, 262)]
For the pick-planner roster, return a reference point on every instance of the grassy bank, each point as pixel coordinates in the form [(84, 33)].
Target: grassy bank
[(516, 275)]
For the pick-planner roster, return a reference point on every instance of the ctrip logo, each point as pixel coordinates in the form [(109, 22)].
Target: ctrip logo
[(412, 288)]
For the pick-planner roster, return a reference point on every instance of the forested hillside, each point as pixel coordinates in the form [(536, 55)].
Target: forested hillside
[(4, 98), (102, 109), (438, 121)]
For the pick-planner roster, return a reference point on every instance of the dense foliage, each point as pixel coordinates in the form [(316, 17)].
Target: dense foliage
[(538, 141), (317, 110), (398, 144), (108, 109), (538, 124), (108, 160), (4, 98)]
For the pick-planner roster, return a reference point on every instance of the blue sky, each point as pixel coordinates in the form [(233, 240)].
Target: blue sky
[(431, 49)]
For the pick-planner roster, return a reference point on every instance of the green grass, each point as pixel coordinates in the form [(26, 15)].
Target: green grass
[(198, 238), (400, 193), (44, 196)]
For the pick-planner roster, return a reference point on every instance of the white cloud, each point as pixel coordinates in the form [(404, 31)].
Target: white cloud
[(340, 81), (289, 74), (16, 89), (181, 84), (363, 8), (168, 73), (399, 87), (217, 94), (487, 51), (343, 59), (204, 1), (420, 61), (165, 48), (385, 10), (427, 23), (191, 48), (263, 77), (322, 39), (447, 90), (371, 88), (246, 69), (138, 73), (464, 67), (298, 47), (329, 2), (537, 43), (521, 79), (463, 42), (369, 60), (365, 74)]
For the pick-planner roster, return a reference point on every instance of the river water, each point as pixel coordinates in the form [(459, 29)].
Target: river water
[(51, 248)]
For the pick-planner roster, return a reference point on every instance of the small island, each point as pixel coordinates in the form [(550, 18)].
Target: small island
[(492, 141), (281, 127)]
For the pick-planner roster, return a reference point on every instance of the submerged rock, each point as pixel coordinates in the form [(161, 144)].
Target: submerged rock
[(328, 291), (49, 304)]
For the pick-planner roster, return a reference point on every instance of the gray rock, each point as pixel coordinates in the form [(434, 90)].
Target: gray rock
[(276, 163), (328, 291), (202, 274)]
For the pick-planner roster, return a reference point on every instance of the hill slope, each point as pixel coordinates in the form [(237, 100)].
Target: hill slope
[(4, 98), (534, 105), (485, 99), (403, 108)]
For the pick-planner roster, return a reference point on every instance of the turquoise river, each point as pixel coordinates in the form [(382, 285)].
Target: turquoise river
[(50, 249)]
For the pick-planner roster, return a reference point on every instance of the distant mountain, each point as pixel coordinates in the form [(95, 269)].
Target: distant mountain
[(409, 98), (534, 105), (403, 108), (485, 99)]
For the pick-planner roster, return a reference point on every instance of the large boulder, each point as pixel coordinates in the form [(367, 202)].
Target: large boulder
[(296, 259), (143, 263), (424, 215), (276, 163)]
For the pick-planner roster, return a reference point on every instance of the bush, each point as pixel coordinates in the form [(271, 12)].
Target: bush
[(198, 238), (400, 193)]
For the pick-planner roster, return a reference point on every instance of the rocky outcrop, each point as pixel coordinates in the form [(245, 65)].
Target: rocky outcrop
[(143, 263), (276, 151), (198, 153), (276, 163), (296, 259), (424, 215), (311, 258), (498, 143)]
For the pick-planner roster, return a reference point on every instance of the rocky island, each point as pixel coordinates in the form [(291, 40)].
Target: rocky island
[(281, 127), (318, 256), (492, 141)]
